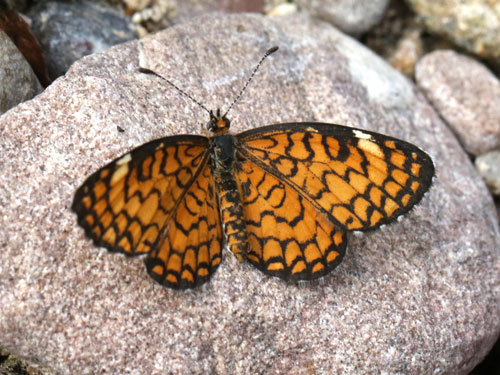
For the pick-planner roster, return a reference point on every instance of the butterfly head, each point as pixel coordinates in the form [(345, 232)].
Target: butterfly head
[(218, 123)]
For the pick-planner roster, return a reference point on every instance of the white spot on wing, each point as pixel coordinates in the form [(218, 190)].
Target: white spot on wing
[(125, 159), (360, 134)]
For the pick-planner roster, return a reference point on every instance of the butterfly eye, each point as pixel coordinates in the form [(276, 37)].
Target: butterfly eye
[(211, 125)]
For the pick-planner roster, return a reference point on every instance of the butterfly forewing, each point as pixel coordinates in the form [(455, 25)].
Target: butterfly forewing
[(286, 236), (129, 205), (358, 179)]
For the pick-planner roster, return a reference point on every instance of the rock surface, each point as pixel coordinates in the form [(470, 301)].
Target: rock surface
[(466, 94), (471, 24), (418, 296), (353, 17), (488, 166), (69, 31), (17, 80)]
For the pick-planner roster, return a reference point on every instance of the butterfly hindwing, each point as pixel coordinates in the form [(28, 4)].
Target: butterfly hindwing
[(359, 179), (286, 236), (192, 245), (128, 205)]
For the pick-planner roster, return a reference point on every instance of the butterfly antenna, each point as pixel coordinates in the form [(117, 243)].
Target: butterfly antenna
[(268, 52), (148, 71)]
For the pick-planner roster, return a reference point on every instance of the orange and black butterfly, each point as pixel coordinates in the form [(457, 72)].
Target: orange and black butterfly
[(281, 196)]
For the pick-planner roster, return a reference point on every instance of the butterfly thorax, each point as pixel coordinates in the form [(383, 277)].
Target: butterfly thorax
[(223, 158)]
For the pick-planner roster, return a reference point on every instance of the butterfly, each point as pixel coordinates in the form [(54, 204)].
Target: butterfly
[(281, 197)]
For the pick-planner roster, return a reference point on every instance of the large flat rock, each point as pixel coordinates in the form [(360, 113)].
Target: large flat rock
[(418, 296)]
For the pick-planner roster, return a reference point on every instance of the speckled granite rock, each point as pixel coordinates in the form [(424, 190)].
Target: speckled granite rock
[(353, 17), (466, 94), (17, 80), (415, 297), (471, 24)]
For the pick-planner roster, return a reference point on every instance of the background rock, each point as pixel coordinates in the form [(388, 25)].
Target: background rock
[(17, 80), (69, 31), (488, 166), (157, 15), (466, 94), (407, 297), (353, 17), (471, 24)]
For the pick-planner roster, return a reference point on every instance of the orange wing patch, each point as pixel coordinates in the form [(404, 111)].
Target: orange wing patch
[(359, 179), (128, 205), (286, 235)]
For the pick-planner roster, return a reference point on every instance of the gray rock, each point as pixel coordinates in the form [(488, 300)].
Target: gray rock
[(353, 17), (466, 94), (398, 38), (488, 166), (471, 24), (17, 80), (408, 50), (418, 296), (69, 31)]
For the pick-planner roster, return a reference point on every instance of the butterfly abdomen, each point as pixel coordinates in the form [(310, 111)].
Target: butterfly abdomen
[(232, 218), (223, 157)]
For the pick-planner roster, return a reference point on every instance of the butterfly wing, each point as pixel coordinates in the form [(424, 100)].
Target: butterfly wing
[(358, 179), (304, 185), (287, 238), (157, 200), (191, 250)]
